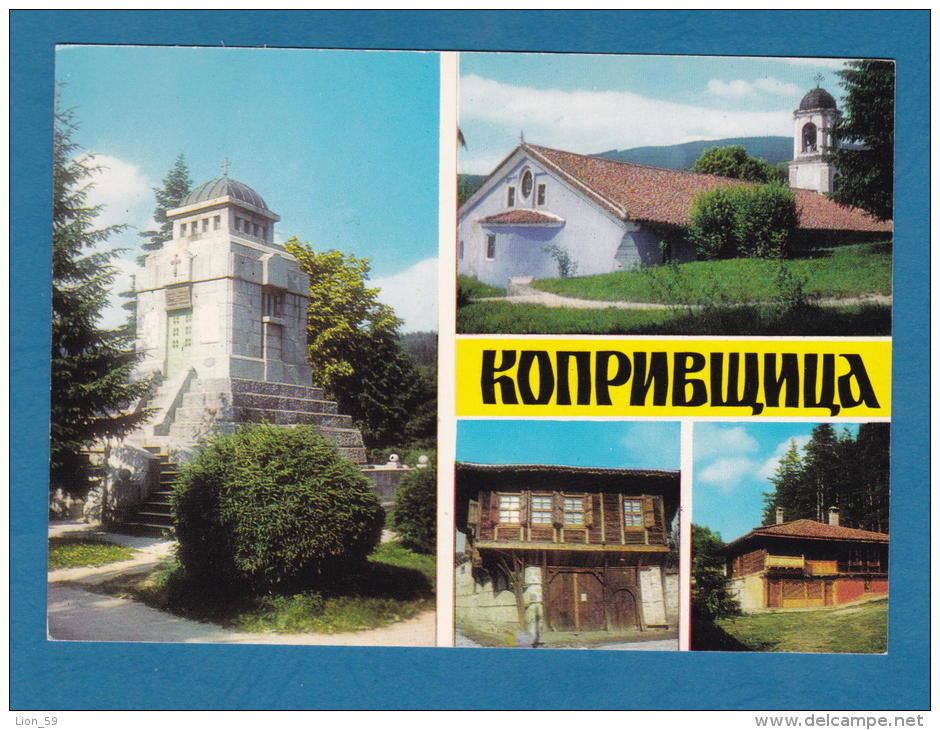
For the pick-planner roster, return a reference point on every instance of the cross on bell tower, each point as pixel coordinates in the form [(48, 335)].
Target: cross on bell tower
[(225, 165)]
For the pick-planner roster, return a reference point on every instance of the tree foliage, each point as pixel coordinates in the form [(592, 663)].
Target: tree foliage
[(273, 508), (753, 221), (734, 161), (354, 348), (710, 596), (176, 186), (835, 470), (415, 515), (864, 138), (92, 388)]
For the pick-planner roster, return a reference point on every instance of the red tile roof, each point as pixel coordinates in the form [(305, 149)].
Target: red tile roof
[(813, 530), (640, 193), (522, 215)]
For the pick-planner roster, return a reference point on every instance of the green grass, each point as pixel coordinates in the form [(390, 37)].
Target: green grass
[(858, 629), (471, 288), (506, 318), (395, 584), (845, 271), (75, 552)]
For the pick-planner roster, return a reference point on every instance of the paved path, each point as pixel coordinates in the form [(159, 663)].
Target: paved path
[(78, 614), (527, 294)]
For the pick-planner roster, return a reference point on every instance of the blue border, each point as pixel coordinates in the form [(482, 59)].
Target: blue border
[(61, 676)]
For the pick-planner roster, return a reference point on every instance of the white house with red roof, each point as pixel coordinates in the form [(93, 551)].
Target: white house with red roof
[(609, 215)]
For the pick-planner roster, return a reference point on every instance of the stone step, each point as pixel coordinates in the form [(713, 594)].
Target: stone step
[(150, 513), (193, 416), (143, 529), (223, 402)]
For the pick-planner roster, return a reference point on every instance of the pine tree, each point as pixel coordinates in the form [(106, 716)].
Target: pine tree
[(176, 186), (787, 481), (91, 366), (821, 474), (872, 455), (866, 168)]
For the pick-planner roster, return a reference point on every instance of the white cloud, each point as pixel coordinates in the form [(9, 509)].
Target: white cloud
[(592, 121), (836, 63), (731, 89), (727, 473), (768, 468), (716, 440), (770, 85), (412, 293), (124, 192)]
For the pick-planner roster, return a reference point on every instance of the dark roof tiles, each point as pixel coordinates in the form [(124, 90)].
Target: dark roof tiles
[(221, 187), (812, 529), (521, 216)]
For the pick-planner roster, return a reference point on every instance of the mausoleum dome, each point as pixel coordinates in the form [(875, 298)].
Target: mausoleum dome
[(221, 187), (817, 99)]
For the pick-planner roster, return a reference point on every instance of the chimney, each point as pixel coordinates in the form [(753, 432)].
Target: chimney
[(779, 515), (834, 516)]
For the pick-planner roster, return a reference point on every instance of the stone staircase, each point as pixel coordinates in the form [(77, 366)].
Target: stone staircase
[(219, 405), (154, 518)]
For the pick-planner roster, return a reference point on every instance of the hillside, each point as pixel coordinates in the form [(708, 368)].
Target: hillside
[(682, 156)]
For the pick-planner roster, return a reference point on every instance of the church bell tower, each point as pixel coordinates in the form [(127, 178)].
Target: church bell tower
[(813, 124)]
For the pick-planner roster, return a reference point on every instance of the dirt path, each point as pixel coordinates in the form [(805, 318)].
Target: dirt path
[(75, 613), (527, 294)]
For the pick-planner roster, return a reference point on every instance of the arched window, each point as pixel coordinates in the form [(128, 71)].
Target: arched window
[(809, 137)]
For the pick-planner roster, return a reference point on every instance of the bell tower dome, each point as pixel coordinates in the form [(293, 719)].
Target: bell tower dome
[(813, 123)]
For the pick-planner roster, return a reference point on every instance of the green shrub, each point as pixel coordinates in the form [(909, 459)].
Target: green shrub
[(765, 220), (273, 508), (712, 230), (415, 515), (755, 221)]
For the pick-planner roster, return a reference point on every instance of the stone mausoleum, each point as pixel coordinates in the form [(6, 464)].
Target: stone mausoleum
[(221, 320)]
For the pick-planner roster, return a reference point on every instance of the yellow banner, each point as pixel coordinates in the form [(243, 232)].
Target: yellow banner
[(673, 377)]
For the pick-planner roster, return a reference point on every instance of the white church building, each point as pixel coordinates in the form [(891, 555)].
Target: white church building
[(609, 215)]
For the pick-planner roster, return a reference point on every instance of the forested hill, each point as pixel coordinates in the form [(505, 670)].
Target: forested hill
[(682, 156)]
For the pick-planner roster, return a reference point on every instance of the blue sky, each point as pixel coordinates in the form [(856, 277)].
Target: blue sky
[(343, 145), (732, 466), (590, 104), (613, 444)]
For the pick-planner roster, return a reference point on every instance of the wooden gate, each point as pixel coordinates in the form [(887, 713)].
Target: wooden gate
[(574, 601), (623, 610)]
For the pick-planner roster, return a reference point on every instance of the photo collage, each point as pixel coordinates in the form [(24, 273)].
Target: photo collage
[(473, 350)]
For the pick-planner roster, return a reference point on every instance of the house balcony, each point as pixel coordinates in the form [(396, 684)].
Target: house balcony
[(784, 561)]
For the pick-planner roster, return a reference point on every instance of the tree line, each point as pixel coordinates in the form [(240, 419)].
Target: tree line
[(835, 470)]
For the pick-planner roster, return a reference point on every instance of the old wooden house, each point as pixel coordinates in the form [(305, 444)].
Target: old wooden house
[(557, 548), (805, 563)]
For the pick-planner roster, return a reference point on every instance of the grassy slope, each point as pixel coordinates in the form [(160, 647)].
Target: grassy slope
[(836, 272), (69, 552), (475, 289), (506, 318), (859, 629)]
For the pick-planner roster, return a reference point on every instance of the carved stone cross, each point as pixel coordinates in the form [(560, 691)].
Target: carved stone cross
[(175, 262)]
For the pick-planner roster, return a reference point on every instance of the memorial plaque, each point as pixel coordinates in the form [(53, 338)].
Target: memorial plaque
[(179, 297)]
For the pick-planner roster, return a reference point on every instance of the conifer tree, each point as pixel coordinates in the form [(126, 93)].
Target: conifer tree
[(787, 480), (176, 186), (91, 366)]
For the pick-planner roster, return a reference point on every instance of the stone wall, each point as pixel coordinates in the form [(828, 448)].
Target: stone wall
[(490, 609)]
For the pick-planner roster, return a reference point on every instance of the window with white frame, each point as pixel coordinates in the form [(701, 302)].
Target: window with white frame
[(182, 229), (541, 510), (460, 251), (490, 246), (526, 184), (632, 512), (510, 508), (540, 194), (574, 511), (510, 196), (216, 222)]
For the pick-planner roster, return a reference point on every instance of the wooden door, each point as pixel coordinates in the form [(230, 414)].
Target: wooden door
[(623, 610), (575, 602)]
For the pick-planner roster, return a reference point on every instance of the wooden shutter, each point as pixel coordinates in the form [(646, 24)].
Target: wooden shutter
[(588, 510), (494, 509), (558, 509), (523, 508), (473, 513), (649, 512)]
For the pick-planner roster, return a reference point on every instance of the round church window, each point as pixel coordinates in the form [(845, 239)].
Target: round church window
[(527, 184)]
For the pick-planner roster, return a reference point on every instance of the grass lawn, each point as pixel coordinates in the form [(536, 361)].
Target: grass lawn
[(858, 629), (396, 584), (844, 271), (474, 289), (80, 552), (506, 318)]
